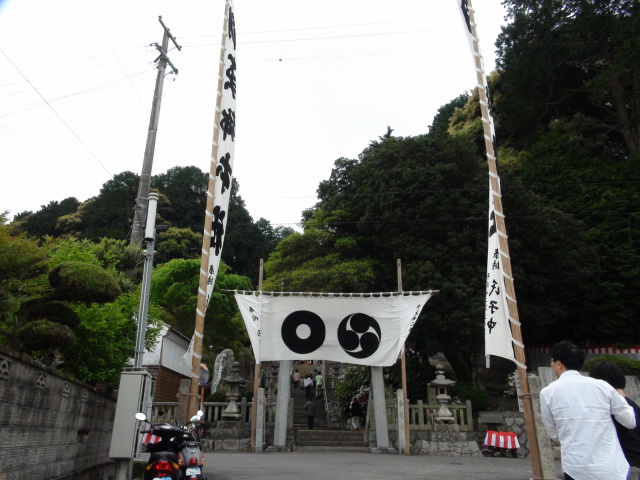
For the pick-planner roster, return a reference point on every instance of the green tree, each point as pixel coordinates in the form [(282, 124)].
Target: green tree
[(424, 200), (69, 311), (106, 336), (560, 58), (115, 256), (45, 221), (317, 261), (186, 191), (174, 286), (21, 263), (571, 168), (177, 243), (109, 214), (44, 325)]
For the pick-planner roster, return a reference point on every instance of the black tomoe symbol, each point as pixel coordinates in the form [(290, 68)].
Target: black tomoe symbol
[(359, 335), (290, 335)]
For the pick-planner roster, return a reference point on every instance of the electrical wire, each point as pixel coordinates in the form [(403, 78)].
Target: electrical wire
[(58, 115)]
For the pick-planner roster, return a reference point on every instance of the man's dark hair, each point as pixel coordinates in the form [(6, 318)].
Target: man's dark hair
[(610, 373), (569, 354)]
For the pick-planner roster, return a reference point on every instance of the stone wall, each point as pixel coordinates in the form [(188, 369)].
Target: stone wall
[(51, 427)]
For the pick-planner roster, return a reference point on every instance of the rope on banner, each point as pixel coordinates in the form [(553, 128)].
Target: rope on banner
[(327, 294), (514, 322), (509, 297)]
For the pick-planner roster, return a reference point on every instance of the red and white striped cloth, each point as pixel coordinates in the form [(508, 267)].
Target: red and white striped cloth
[(597, 349), (501, 440), (149, 438)]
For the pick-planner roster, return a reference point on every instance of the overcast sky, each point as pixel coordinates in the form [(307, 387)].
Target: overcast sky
[(317, 80)]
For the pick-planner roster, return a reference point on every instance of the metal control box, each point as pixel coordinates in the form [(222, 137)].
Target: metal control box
[(134, 395)]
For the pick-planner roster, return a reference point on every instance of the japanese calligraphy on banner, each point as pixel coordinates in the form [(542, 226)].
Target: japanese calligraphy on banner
[(367, 329), (497, 331), (223, 150)]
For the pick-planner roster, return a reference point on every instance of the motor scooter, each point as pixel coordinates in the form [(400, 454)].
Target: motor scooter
[(176, 452)]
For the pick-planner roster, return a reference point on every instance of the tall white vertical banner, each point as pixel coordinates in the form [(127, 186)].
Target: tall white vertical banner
[(498, 337), (223, 157), (497, 331), (219, 188)]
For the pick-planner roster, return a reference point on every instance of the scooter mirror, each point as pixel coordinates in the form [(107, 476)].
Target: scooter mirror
[(141, 416), (200, 412)]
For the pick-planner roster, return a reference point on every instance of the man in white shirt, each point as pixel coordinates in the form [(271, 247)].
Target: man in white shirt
[(576, 412)]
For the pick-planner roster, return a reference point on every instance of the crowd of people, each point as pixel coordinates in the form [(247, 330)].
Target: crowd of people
[(313, 387)]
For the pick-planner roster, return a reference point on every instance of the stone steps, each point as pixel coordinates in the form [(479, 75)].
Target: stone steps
[(299, 415), (330, 440)]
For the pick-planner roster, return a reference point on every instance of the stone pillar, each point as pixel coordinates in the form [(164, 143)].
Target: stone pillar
[(544, 442), (123, 469), (379, 408), (282, 404), (182, 412), (402, 447), (260, 421)]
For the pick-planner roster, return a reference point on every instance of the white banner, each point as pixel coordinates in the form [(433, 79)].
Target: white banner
[(497, 331), (225, 134), (363, 329)]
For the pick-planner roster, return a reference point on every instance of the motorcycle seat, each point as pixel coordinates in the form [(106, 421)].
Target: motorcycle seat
[(171, 456)]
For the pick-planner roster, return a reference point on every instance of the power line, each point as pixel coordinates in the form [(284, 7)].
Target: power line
[(57, 115), (29, 106), (144, 107)]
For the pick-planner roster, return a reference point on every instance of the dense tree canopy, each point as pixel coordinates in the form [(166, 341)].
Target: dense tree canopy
[(559, 58), (567, 101), (62, 304), (181, 207), (45, 221), (424, 200)]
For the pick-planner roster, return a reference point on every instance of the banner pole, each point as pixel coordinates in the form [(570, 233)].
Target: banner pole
[(201, 308), (504, 247), (256, 378), (403, 363)]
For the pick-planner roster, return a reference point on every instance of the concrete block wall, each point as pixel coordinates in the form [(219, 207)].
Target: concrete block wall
[(50, 426)]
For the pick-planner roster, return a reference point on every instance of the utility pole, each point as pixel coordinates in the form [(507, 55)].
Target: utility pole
[(150, 237), (140, 214)]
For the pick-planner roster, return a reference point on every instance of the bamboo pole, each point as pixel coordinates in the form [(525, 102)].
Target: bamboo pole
[(403, 362), (256, 379), (504, 252), (201, 308)]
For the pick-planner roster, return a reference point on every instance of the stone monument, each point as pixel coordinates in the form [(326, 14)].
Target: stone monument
[(446, 438), (440, 384), (232, 412), (221, 368)]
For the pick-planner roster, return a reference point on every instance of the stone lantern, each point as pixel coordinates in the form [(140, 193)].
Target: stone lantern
[(234, 380), (443, 415)]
